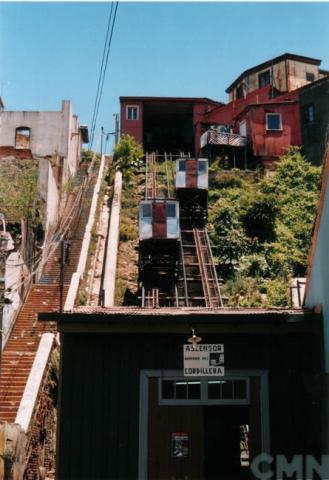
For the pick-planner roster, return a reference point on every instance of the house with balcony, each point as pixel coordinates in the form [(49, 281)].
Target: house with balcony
[(266, 113)]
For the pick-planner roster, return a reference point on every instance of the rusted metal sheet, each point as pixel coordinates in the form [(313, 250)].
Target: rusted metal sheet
[(159, 214), (191, 173)]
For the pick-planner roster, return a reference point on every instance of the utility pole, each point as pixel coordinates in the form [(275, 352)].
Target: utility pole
[(64, 260), (102, 135), (116, 127)]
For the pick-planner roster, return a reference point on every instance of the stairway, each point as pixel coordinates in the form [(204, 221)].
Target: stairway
[(22, 345), (20, 350)]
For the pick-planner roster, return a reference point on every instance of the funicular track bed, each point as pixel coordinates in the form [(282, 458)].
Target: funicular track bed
[(181, 273)]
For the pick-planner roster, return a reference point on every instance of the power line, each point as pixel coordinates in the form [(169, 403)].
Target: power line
[(103, 69), (92, 127)]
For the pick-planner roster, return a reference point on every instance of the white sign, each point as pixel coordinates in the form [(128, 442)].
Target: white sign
[(204, 360)]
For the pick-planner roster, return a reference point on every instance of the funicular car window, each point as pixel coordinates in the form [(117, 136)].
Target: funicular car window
[(171, 210), (181, 166), (202, 167), (146, 210)]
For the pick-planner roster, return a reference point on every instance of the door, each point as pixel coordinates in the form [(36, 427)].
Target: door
[(175, 450), (202, 428), (195, 442), (222, 442)]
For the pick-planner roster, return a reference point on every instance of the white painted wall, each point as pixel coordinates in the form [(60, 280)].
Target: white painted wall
[(49, 130), (32, 388), (13, 277), (52, 132), (113, 244), (317, 290), (53, 198)]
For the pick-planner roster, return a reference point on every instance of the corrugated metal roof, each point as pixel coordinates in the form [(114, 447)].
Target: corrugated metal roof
[(170, 311)]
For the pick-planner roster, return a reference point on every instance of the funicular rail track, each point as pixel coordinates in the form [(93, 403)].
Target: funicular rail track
[(196, 283)]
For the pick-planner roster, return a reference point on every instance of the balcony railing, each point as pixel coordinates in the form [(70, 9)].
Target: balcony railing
[(211, 137)]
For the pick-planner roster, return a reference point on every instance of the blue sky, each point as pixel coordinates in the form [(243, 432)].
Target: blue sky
[(52, 51)]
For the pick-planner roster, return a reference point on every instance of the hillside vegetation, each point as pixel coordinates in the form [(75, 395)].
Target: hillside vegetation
[(261, 229)]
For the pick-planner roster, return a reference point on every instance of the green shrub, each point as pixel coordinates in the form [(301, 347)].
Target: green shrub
[(261, 228), (128, 156), (277, 292)]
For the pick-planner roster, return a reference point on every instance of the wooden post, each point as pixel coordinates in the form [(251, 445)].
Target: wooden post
[(2, 450)]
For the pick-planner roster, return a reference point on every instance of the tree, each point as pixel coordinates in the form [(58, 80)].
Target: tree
[(128, 156)]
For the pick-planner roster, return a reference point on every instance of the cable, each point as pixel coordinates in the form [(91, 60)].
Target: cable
[(106, 61), (103, 69), (93, 122), (97, 105)]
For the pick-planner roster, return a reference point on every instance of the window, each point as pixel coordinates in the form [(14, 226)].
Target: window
[(181, 166), (264, 79), (226, 389), (171, 210), (202, 166), (240, 92), (308, 114), (243, 128), (181, 389), (273, 121), (22, 137), (132, 112), (146, 210), (202, 391), (310, 76)]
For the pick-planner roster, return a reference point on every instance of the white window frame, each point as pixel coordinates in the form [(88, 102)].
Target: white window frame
[(204, 395), (273, 129), (137, 110)]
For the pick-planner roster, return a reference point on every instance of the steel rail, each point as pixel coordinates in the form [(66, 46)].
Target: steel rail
[(184, 270), (221, 304), (203, 271)]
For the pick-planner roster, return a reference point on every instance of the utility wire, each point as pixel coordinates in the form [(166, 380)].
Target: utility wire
[(106, 61), (92, 128), (103, 69)]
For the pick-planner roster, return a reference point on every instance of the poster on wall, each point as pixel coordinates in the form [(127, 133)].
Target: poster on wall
[(179, 444)]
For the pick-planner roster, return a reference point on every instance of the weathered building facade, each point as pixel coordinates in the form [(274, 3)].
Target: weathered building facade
[(125, 398), (314, 113), (285, 73), (272, 106), (54, 138), (49, 144)]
